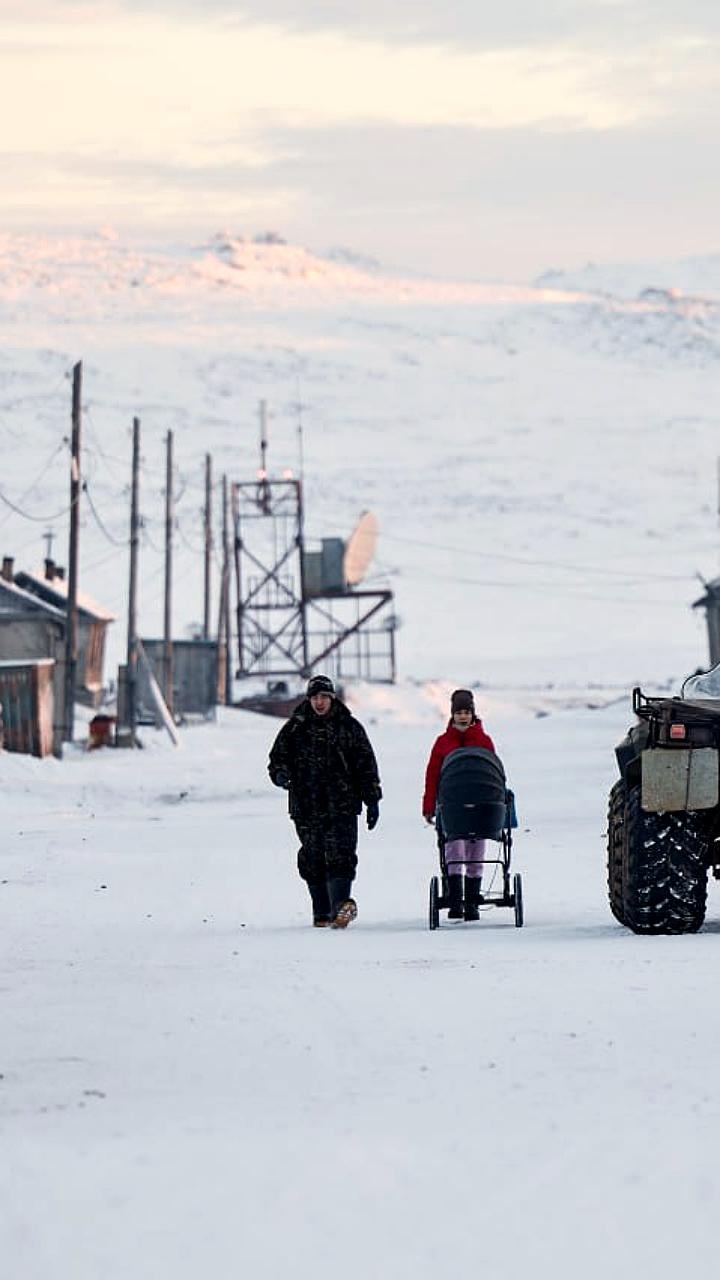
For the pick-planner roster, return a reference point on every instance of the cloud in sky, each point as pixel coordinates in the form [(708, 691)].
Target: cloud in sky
[(118, 116), (514, 23)]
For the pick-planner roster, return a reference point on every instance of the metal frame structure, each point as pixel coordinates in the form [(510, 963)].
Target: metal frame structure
[(282, 628)]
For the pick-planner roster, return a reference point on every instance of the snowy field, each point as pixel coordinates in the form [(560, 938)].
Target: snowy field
[(193, 1080)]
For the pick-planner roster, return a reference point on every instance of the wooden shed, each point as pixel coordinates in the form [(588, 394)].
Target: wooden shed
[(26, 706), (31, 631), (194, 679), (93, 622)]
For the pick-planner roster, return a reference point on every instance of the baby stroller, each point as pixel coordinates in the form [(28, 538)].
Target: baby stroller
[(474, 802)]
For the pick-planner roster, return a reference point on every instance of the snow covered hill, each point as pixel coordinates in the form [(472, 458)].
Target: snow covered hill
[(542, 459)]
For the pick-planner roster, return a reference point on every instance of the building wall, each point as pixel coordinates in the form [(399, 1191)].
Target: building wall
[(91, 661), (39, 638), (26, 696)]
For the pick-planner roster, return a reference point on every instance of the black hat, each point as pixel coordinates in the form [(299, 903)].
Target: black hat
[(462, 700), (320, 684)]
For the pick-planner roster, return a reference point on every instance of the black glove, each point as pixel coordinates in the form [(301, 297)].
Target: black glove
[(282, 779), (373, 813)]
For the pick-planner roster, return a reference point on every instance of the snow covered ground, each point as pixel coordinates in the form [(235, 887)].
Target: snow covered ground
[(195, 1080), (191, 1078)]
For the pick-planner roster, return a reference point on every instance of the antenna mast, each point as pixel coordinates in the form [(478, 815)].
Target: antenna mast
[(263, 439), (301, 443)]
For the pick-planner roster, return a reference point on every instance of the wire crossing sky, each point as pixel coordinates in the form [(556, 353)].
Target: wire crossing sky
[(455, 138)]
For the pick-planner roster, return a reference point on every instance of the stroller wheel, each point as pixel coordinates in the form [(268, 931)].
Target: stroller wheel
[(518, 900), (433, 913)]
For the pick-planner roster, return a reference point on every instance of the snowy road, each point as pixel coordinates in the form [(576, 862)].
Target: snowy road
[(195, 1082)]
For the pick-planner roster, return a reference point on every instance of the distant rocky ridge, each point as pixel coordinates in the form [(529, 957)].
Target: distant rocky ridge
[(634, 311), (677, 283)]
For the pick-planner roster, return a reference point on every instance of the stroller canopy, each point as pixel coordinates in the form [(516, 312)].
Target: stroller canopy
[(472, 795)]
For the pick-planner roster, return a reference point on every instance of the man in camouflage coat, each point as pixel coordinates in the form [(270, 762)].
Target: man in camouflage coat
[(322, 757)]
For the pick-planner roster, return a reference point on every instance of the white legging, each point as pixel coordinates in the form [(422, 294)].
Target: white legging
[(466, 856)]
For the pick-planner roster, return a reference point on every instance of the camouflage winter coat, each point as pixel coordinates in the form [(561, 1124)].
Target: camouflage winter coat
[(329, 761)]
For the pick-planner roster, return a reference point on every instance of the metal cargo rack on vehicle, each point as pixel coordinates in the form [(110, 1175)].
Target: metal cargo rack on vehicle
[(676, 722)]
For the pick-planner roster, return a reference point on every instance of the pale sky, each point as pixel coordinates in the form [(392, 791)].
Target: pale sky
[(454, 136)]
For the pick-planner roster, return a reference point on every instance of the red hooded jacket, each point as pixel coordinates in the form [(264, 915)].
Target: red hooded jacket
[(451, 740)]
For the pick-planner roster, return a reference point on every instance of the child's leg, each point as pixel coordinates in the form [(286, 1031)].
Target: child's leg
[(455, 856), (454, 859), (474, 858)]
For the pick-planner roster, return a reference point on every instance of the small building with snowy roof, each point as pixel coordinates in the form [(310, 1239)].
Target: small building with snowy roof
[(93, 622), (32, 633)]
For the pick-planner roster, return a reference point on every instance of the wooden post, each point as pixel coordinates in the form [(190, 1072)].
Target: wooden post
[(71, 621), (208, 545), (223, 640), (167, 628), (132, 638), (228, 611), (237, 555)]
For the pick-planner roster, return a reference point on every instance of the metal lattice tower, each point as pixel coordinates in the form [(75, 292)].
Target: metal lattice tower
[(286, 624)]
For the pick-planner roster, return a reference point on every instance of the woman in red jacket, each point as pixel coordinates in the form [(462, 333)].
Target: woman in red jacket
[(462, 857)]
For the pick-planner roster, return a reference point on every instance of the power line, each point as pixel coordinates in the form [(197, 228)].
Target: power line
[(118, 542), (197, 551), (112, 555), (633, 576), (30, 488), (548, 588), (148, 539), (106, 457), (26, 515)]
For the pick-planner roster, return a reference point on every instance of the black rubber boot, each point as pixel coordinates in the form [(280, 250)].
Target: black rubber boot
[(472, 897), (322, 913), (455, 894)]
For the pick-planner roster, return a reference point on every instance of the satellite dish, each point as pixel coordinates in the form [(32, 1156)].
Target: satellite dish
[(360, 548)]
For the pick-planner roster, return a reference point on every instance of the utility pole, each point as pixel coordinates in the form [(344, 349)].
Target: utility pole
[(132, 638), (228, 611), (71, 625), (167, 628), (719, 492), (208, 544), (225, 684)]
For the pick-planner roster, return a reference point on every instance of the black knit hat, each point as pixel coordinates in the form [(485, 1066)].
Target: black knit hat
[(462, 700), (320, 684)]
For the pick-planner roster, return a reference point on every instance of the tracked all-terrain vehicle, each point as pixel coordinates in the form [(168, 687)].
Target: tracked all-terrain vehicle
[(664, 811)]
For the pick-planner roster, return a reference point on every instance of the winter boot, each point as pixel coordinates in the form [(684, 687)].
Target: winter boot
[(343, 908), (320, 904), (473, 897), (345, 914), (455, 894)]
